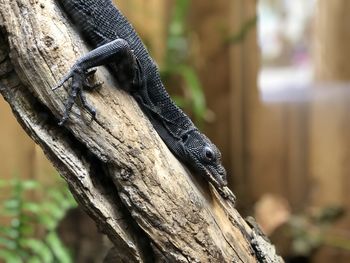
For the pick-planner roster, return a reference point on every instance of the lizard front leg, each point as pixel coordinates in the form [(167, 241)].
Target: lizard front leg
[(117, 52)]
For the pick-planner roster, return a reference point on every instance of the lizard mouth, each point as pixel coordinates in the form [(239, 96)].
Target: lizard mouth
[(215, 177)]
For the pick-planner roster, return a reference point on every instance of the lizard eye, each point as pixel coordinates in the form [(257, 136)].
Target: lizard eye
[(209, 154)]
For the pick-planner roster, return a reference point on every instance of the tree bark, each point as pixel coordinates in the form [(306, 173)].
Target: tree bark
[(117, 167)]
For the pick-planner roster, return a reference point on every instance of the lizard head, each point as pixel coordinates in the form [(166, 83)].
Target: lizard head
[(204, 157)]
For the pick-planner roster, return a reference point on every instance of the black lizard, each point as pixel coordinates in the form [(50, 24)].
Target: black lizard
[(117, 45)]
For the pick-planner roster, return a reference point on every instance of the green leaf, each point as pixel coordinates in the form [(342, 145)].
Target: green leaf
[(39, 248), (177, 25), (243, 32), (47, 220), (3, 183), (17, 186), (62, 198), (56, 195), (177, 44), (24, 215), (27, 230), (27, 219), (8, 231), (59, 250), (10, 256), (193, 83), (31, 207), (34, 259), (54, 210), (8, 243), (8, 213), (180, 101), (15, 222), (30, 184), (12, 204), (69, 201)]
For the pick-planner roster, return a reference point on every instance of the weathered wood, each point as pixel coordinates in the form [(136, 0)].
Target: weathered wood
[(117, 167)]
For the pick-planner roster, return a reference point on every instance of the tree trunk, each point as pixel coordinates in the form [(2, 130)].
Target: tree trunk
[(117, 167)]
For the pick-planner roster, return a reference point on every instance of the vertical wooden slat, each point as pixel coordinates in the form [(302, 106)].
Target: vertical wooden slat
[(43, 171), (252, 150), (149, 19), (269, 150), (20, 156), (260, 149), (16, 149), (330, 121), (332, 37), (296, 183), (265, 152), (237, 167), (229, 74), (245, 106), (329, 117), (209, 22), (329, 154)]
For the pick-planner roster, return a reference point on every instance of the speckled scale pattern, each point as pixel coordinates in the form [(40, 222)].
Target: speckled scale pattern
[(104, 54), (102, 25), (100, 22)]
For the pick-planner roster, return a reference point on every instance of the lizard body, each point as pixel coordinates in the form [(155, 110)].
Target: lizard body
[(117, 45)]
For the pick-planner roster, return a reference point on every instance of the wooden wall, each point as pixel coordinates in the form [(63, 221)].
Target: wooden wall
[(150, 20), (296, 149), (19, 156), (330, 119)]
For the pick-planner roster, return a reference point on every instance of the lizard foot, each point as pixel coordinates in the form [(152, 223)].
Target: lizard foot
[(79, 83), (91, 87)]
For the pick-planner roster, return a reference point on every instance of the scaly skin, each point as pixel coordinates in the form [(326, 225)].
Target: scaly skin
[(117, 45)]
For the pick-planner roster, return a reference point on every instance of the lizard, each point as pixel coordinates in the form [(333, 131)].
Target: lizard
[(116, 44)]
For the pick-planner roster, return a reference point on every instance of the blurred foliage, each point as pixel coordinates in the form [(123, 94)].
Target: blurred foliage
[(310, 231), (177, 64), (28, 230), (177, 61), (243, 31)]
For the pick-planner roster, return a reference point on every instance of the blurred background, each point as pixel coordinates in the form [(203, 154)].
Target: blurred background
[(268, 82)]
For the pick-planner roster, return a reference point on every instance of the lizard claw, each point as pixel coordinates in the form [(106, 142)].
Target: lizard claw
[(79, 82), (90, 87), (64, 79), (91, 72)]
